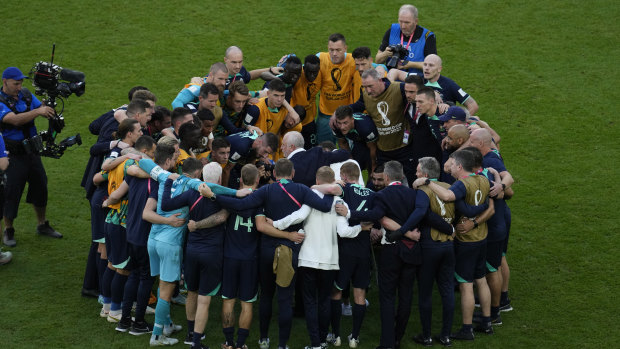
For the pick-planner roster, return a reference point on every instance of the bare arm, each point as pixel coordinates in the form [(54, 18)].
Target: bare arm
[(4, 163), (291, 112), (256, 73), (136, 171), (24, 118), (264, 227), (150, 215), (98, 178), (471, 105), (209, 222), (443, 193), (329, 189), (116, 195), (120, 115)]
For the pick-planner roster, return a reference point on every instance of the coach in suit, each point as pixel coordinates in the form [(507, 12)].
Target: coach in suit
[(307, 162)]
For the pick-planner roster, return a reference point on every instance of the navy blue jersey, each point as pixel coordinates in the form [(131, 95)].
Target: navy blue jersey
[(240, 144), (279, 203), (242, 237), (364, 130), (243, 74), (207, 240), (358, 198), (497, 222), (449, 90), (137, 228)]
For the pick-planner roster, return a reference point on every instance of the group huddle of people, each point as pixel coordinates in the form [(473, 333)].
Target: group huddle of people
[(252, 195)]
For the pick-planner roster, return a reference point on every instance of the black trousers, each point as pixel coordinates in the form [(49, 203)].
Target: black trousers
[(395, 276)]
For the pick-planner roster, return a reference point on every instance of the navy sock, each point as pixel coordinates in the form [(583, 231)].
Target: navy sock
[(143, 297), (504, 298), (358, 317), (467, 327), (494, 311), (190, 327), (106, 289), (118, 288), (197, 336), (242, 335), (336, 315), (102, 265), (129, 294), (229, 334)]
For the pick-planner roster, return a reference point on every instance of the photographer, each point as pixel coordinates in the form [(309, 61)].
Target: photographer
[(18, 109), (419, 42)]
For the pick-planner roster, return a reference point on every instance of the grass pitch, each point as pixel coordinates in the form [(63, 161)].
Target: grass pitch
[(543, 74)]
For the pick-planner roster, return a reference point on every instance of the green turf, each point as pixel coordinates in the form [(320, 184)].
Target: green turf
[(541, 71)]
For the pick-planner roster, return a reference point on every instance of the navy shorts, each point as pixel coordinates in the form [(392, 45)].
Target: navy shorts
[(494, 255), (97, 215), (116, 245), (470, 260), (308, 131), (203, 272), (240, 279), (138, 257), (353, 269), (24, 168)]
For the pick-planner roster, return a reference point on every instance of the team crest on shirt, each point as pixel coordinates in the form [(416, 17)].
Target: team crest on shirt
[(235, 156)]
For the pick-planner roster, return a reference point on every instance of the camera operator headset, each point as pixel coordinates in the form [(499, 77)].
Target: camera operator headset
[(18, 109)]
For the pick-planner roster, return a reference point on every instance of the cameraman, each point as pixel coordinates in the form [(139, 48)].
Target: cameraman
[(18, 109), (420, 42)]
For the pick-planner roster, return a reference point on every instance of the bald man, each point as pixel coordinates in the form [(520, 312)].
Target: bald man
[(233, 59), (458, 135), (217, 76), (419, 42), (449, 91)]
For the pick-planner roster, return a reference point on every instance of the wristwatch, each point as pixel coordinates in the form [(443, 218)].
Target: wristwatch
[(427, 182)]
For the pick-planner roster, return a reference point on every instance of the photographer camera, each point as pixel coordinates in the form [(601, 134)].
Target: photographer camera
[(18, 109), (407, 35)]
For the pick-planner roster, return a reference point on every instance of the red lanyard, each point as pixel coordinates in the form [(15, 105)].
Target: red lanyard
[(289, 194), (408, 42)]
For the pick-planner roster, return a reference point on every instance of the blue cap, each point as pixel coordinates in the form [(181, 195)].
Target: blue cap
[(13, 73), (453, 113)]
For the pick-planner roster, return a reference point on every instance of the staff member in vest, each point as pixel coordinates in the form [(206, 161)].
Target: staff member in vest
[(385, 104), (419, 41), (18, 109), (338, 81)]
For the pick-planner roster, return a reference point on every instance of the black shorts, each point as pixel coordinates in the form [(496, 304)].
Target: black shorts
[(353, 269), (240, 279), (203, 272), (24, 169), (116, 245), (470, 260), (494, 255)]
